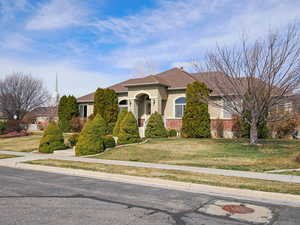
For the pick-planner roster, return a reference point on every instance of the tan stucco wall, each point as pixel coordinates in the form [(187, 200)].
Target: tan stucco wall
[(90, 109), (215, 111), (170, 104), (167, 98)]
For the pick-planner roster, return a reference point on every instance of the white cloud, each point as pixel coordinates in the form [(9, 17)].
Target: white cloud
[(171, 17), (72, 80), (8, 8), (184, 30), (16, 42), (57, 14)]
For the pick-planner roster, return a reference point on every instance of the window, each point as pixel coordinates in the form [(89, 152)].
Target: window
[(83, 111), (288, 107), (179, 107), (123, 104), (227, 114)]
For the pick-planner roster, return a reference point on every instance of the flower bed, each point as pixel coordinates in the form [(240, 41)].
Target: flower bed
[(14, 134)]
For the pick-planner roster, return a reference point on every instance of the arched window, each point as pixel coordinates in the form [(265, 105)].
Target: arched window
[(179, 107), (123, 104)]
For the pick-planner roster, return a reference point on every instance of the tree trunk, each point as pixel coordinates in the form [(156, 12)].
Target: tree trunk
[(253, 132)]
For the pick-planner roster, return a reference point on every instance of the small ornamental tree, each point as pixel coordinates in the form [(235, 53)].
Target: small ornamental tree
[(155, 127), (52, 139), (90, 140), (106, 105), (262, 129), (67, 109), (121, 116), (129, 132), (196, 119)]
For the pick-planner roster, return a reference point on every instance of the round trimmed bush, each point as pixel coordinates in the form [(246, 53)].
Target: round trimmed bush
[(155, 127), (73, 140), (121, 116), (172, 133), (90, 140), (109, 141), (52, 139), (129, 131)]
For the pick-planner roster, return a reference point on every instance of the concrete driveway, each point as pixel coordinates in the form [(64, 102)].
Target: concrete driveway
[(35, 198)]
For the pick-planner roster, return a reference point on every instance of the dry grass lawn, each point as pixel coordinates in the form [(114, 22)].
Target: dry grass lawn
[(6, 156), (293, 173), (200, 178), (214, 153), (23, 144)]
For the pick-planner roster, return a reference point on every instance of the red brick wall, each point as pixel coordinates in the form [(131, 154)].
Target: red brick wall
[(174, 124), (226, 123), (177, 123)]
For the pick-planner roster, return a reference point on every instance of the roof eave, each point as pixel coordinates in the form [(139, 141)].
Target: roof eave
[(145, 84)]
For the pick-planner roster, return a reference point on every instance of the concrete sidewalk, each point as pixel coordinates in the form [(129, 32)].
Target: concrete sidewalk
[(242, 194), (235, 173)]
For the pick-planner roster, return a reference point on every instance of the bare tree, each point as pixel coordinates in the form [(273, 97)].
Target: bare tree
[(21, 93), (256, 77)]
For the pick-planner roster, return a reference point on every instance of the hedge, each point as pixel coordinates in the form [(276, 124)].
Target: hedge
[(129, 132), (155, 127), (121, 116), (196, 119), (52, 139), (172, 133), (67, 109), (90, 140), (106, 105), (109, 141)]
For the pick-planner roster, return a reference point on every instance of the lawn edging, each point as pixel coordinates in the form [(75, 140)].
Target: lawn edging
[(268, 197)]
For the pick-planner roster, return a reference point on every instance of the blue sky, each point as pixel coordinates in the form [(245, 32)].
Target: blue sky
[(95, 43)]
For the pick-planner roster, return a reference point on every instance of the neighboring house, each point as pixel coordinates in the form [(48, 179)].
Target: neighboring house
[(163, 93), (40, 117), (2, 116)]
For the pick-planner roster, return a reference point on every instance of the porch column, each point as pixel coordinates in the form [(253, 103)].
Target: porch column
[(156, 105), (133, 107)]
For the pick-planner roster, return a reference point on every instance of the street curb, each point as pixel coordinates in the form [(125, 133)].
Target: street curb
[(251, 195)]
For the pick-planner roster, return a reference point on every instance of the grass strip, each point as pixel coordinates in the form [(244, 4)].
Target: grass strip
[(6, 156), (198, 178)]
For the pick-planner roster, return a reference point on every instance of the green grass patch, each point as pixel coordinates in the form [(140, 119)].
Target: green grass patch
[(234, 154), (199, 178)]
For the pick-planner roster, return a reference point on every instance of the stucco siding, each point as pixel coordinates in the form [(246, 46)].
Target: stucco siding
[(170, 103)]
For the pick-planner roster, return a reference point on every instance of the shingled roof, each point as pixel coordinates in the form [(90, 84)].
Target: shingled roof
[(172, 79)]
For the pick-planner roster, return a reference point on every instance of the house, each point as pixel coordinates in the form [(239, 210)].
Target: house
[(40, 117), (2, 116), (164, 93)]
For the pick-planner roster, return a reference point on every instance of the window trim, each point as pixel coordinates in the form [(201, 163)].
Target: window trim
[(120, 107), (183, 105), (81, 113)]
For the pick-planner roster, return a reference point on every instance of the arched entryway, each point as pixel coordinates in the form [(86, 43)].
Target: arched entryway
[(143, 103)]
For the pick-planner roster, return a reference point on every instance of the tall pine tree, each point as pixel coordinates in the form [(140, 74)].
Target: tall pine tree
[(196, 119), (67, 109), (106, 105)]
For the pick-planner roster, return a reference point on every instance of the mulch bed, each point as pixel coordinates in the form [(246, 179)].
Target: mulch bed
[(14, 134)]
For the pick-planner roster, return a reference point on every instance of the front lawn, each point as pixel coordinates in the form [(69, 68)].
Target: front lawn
[(24, 144), (214, 153), (199, 178)]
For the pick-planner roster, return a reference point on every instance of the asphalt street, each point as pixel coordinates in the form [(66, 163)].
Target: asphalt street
[(40, 198)]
